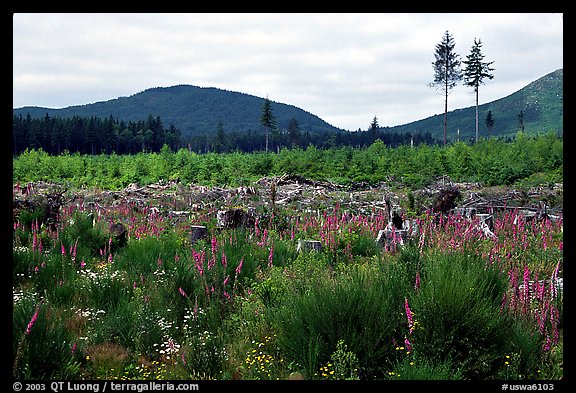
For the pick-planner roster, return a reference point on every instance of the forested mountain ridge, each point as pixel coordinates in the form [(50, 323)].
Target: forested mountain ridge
[(193, 110), (541, 103), (199, 111)]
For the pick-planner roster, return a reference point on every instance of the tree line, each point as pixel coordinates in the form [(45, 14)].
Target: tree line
[(91, 135)]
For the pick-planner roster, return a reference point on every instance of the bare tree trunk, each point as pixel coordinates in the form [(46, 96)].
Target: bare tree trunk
[(476, 114), (445, 113)]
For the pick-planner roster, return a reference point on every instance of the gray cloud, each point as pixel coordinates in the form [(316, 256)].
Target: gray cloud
[(345, 68)]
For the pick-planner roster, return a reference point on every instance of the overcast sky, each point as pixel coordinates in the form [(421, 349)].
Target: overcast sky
[(345, 68)]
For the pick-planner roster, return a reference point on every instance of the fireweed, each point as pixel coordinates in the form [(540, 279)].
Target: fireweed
[(77, 267)]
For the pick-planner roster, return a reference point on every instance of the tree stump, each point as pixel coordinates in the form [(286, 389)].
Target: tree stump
[(391, 237), (118, 234), (234, 218), (488, 219), (198, 232), (309, 245)]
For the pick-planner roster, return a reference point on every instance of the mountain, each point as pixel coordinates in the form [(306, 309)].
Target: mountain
[(540, 101), (194, 110), (198, 110)]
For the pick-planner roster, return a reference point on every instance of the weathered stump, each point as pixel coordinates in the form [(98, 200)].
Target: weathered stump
[(118, 234), (44, 207), (391, 237), (411, 227), (487, 219), (198, 232), (466, 212), (486, 225), (234, 218), (309, 245)]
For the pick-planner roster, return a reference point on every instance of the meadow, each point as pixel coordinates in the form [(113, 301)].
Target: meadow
[(450, 303)]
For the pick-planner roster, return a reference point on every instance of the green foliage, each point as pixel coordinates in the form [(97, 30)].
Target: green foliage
[(489, 161), (458, 312), (85, 235), (343, 364), (93, 135), (46, 350), (361, 306)]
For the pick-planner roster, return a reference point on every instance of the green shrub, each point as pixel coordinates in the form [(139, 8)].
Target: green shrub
[(43, 347), (83, 234), (361, 306), (457, 310)]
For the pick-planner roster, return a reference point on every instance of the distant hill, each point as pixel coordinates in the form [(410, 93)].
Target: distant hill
[(194, 110), (198, 110), (541, 102)]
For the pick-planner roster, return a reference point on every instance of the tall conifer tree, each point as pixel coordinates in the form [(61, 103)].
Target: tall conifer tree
[(267, 119), (489, 122), (447, 70), (475, 71)]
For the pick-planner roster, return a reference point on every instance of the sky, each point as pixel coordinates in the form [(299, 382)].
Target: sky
[(345, 68)]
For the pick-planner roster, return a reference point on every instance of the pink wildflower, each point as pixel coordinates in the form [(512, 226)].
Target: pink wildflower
[(214, 245), (211, 262), (409, 315), (526, 294), (271, 256), (73, 250), (34, 241), (546, 345), (239, 267), (199, 258), (33, 319), (256, 229), (262, 241), (407, 344)]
